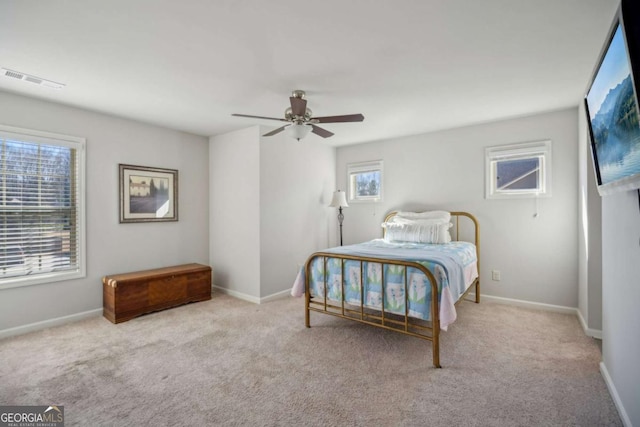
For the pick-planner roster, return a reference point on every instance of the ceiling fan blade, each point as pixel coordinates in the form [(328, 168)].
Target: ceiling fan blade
[(339, 119), (321, 132), (298, 106), (259, 117), (275, 131)]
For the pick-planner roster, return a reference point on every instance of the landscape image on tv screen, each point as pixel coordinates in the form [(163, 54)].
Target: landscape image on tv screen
[(613, 113)]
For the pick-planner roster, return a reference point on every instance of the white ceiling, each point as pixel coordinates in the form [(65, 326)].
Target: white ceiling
[(410, 66)]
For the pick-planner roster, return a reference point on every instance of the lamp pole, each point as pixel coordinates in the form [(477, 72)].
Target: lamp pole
[(339, 201), (340, 218)]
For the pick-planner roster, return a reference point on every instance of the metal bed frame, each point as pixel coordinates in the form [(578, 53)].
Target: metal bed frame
[(403, 324)]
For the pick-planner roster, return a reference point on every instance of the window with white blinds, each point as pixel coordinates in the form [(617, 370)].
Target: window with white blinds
[(41, 207)]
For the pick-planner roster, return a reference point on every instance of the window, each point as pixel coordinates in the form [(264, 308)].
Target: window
[(41, 207), (365, 181), (518, 170)]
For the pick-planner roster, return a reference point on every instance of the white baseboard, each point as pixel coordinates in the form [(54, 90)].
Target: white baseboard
[(594, 333), (614, 394), (251, 298), (526, 304), (236, 294), (278, 295), (31, 327)]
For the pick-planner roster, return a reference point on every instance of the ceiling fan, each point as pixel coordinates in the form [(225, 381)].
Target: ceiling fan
[(300, 119)]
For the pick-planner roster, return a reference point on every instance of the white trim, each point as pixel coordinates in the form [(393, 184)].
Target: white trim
[(251, 298), (58, 321), (19, 133), (362, 167), (594, 333), (278, 295), (44, 278), (527, 150), (236, 294), (626, 421), (80, 145), (527, 304)]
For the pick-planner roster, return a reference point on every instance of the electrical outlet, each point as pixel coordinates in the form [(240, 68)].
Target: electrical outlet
[(495, 275)]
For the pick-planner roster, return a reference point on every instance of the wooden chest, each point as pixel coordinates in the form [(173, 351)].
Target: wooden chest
[(128, 295)]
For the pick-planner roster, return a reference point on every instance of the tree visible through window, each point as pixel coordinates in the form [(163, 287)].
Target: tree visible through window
[(40, 209), (367, 184), (365, 181)]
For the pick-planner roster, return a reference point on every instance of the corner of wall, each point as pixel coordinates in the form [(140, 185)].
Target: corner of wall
[(590, 233)]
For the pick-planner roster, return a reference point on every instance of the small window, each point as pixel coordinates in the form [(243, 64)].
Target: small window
[(518, 170), (365, 181), (41, 207)]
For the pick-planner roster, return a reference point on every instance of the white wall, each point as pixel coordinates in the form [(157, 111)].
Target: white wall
[(113, 247), (589, 236), (594, 296), (537, 257), (234, 197), (297, 180), (269, 200), (621, 293)]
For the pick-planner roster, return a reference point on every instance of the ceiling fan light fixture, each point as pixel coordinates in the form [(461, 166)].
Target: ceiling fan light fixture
[(298, 130), (301, 121)]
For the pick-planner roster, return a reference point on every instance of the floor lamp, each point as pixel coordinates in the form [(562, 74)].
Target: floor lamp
[(339, 201)]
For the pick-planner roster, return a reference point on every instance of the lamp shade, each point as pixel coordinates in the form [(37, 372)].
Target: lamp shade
[(298, 130), (339, 200)]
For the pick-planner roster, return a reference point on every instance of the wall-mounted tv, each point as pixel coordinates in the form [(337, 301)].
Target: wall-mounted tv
[(612, 105)]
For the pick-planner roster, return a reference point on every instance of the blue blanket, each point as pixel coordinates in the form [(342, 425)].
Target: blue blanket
[(445, 261)]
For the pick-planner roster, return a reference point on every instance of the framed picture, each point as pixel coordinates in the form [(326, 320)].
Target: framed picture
[(148, 194), (365, 181)]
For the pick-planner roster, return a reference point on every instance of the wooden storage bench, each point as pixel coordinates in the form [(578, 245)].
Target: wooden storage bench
[(128, 295)]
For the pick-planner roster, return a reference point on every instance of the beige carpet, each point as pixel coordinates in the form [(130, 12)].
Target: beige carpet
[(228, 362)]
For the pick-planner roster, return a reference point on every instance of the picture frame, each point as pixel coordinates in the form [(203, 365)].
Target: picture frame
[(148, 194), (365, 181)]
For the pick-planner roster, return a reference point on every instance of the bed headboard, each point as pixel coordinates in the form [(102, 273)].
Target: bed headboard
[(465, 227)]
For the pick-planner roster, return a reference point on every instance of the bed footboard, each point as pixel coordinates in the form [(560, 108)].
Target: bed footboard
[(402, 323), (375, 314)]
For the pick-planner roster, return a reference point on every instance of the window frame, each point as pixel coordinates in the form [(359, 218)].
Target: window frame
[(521, 151), (361, 168), (79, 144)]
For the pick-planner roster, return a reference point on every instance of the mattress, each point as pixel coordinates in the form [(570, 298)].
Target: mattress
[(454, 265)]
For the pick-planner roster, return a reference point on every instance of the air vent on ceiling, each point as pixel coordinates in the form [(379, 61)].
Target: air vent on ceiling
[(31, 79)]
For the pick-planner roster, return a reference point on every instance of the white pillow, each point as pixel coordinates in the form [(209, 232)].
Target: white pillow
[(442, 215), (420, 231)]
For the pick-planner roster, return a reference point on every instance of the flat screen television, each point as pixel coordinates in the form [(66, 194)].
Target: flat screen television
[(612, 107)]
